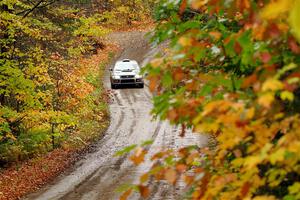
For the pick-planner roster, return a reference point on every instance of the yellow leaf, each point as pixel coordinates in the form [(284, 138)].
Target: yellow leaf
[(276, 8), (207, 127), (250, 113), (272, 84), (11, 136), (157, 62), (251, 161), (286, 95), (184, 41), (279, 116), (266, 100), (277, 156), (294, 19), (264, 198), (197, 4)]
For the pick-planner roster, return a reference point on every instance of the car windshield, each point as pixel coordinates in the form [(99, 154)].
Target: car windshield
[(125, 66)]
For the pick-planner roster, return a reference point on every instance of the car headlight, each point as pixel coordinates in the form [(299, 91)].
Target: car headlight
[(116, 77), (138, 76)]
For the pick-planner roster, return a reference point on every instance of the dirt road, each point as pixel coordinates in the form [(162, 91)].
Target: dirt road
[(99, 173)]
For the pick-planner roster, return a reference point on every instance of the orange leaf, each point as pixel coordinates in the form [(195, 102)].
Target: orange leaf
[(245, 189), (144, 178), (237, 48), (144, 191), (217, 35), (139, 156), (266, 100), (188, 179), (171, 175), (250, 80), (172, 115), (183, 6), (181, 168), (153, 83), (126, 194), (198, 4), (178, 74)]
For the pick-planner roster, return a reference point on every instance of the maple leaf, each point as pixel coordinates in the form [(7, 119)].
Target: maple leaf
[(139, 156), (266, 100), (144, 191), (276, 8), (126, 194), (237, 47), (245, 189), (183, 6), (272, 84), (144, 178), (198, 4), (217, 35)]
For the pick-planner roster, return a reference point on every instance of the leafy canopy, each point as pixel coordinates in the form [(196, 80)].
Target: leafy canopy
[(232, 72)]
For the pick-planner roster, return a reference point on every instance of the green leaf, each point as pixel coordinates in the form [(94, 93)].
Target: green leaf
[(125, 150), (147, 142), (206, 90), (126, 187)]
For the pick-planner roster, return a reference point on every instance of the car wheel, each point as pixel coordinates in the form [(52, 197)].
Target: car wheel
[(141, 85), (113, 86)]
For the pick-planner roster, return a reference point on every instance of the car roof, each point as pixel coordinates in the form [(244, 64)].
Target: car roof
[(126, 63)]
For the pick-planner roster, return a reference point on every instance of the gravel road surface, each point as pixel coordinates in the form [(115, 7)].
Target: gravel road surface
[(98, 174)]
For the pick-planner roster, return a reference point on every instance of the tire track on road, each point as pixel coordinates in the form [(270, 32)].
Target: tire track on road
[(100, 173)]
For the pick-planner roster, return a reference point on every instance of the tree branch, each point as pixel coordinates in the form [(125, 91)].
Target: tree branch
[(36, 6)]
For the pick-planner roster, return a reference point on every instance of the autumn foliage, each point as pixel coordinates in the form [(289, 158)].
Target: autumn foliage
[(50, 92), (232, 72)]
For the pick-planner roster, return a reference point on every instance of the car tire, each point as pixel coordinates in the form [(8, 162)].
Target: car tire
[(113, 86), (141, 85)]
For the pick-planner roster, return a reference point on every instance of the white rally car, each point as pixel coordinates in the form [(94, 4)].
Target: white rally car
[(126, 72)]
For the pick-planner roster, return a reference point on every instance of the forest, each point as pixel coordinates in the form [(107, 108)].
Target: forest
[(45, 89)]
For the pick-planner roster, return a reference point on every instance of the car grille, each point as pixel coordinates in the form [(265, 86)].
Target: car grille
[(127, 81), (128, 76)]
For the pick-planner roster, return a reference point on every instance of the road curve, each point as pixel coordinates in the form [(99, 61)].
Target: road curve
[(99, 173)]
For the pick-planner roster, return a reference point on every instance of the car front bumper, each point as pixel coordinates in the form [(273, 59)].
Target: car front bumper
[(127, 81)]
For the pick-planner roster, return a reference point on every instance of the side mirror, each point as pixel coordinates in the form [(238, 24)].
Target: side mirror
[(110, 69)]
